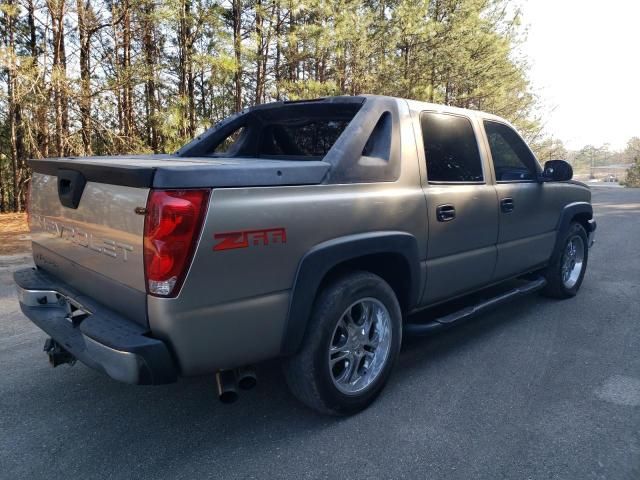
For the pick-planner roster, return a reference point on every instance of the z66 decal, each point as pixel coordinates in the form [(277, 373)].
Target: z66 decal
[(249, 238)]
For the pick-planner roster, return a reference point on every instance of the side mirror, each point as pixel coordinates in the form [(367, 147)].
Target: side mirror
[(557, 171)]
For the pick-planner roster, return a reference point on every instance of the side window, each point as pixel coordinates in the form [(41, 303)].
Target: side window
[(450, 148), (512, 159), (229, 144)]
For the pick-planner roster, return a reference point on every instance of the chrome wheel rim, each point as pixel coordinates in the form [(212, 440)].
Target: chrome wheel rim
[(572, 261), (360, 345)]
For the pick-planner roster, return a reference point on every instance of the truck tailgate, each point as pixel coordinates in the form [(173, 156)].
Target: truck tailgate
[(97, 247)]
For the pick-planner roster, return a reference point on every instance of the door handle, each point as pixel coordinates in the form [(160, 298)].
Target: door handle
[(507, 205), (445, 213)]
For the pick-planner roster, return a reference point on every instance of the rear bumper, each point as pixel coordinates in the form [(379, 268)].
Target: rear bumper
[(591, 232), (95, 335)]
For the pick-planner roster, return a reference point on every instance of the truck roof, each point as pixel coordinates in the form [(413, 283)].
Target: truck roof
[(414, 105)]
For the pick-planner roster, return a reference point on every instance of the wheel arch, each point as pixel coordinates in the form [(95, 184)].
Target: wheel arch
[(581, 212), (391, 255), (576, 211)]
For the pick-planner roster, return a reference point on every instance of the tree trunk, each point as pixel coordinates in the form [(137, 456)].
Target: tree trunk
[(191, 88), (41, 147), (259, 52), (127, 96), (277, 74), (236, 16), (265, 52), (150, 84), (204, 111), (59, 75), (186, 87), (14, 108), (85, 74), (292, 60)]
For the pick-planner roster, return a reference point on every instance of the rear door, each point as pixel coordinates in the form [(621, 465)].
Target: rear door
[(461, 205), (528, 211)]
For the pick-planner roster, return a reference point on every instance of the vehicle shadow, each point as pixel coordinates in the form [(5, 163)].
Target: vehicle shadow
[(162, 429), (417, 352)]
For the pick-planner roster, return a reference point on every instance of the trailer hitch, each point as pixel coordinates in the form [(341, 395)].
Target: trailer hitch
[(57, 353)]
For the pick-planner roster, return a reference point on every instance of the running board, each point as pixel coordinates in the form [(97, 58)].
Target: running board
[(419, 329)]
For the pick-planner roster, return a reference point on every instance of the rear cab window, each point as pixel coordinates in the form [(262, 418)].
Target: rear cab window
[(308, 139), (287, 132), (451, 149)]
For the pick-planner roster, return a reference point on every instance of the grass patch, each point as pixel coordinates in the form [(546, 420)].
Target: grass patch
[(14, 234)]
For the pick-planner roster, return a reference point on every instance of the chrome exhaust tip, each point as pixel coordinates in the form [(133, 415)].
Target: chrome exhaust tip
[(227, 386), (246, 378)]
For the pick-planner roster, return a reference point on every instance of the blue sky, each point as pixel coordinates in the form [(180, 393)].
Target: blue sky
[(585, 65)]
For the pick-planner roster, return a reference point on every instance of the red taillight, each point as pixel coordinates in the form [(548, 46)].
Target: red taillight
[(171, 228)]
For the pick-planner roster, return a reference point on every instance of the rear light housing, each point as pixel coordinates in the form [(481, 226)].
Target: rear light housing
[(172, 226)]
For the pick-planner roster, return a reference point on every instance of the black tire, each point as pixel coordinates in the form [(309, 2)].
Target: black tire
[(556, 287), (308, 374)]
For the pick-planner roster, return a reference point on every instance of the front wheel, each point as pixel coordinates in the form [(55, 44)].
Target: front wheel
[(351, 344), (565, 273)]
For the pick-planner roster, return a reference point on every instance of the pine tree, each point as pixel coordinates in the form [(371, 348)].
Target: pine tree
[(110, 77)]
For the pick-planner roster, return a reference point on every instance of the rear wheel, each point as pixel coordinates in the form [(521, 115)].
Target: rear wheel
[(565, 273), (351, 345)]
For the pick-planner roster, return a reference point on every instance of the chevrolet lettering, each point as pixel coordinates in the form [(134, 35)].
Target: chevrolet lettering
[(76, 235)]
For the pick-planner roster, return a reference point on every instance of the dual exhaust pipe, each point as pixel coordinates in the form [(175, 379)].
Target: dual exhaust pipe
[(229, 382)]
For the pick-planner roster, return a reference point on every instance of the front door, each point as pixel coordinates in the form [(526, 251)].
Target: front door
[(527, 220), (462, 208)]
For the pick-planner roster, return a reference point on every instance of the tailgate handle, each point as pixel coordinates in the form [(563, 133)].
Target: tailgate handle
[(71, 184)]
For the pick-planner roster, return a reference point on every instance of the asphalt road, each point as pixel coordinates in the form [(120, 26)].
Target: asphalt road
[(537, 389)]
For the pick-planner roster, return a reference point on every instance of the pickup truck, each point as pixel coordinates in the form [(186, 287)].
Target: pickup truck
[(309, 231)]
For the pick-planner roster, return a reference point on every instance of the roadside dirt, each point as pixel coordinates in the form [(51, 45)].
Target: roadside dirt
[(14, 234)]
